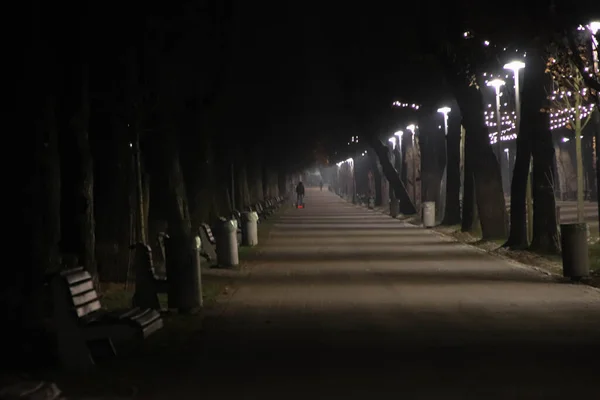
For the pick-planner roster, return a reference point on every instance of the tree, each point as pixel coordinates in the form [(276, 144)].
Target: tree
[(453, 158), (462, 71), (574, 103)]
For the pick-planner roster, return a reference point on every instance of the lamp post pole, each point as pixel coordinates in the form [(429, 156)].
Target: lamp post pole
[(442, 206)]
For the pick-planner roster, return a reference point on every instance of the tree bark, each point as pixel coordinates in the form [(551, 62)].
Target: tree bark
[(407, 207), (531, 104), (179, 222), (469, 207), (452, 210), (485, 168), (47, 230), (86, 223), (545, 230)]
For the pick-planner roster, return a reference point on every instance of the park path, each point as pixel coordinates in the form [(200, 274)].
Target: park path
[(349, 303)]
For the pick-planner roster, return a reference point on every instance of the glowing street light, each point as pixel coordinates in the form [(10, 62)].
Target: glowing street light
[(497, 84), (516, 66), (445, 111), (594, 26), (392, 140)]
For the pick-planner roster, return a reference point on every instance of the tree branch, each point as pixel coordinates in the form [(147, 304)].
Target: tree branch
[(589, 81)]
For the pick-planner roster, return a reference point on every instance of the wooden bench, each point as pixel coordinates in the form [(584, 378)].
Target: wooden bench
[(147, 284), (84, 329)]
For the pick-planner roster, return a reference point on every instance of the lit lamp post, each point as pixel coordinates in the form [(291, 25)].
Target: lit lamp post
[(392, 195), (441, 207), (516, 66), (398, 158), (412, 128), (497, 84), (350, 162), (594, 27)]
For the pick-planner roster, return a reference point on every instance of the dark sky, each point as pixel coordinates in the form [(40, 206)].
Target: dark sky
[(290, 67)]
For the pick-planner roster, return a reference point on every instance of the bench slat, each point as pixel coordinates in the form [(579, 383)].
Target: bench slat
[(88, 308), (156, 325), (81, 287), (75, 276), (146, 317), (84, 298)]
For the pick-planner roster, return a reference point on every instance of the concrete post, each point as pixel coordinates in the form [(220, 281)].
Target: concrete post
[(227, 246), (249, 229)]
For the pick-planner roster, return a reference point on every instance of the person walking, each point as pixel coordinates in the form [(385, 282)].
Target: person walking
[(300, 193)]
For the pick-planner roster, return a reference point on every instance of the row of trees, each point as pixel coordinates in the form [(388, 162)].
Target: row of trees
[(134, 131), (463, 52)]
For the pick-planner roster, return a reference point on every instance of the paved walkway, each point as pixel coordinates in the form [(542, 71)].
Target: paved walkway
[(347, 303)]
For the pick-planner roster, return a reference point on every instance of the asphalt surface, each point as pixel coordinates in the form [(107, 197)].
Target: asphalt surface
[(348, 303)]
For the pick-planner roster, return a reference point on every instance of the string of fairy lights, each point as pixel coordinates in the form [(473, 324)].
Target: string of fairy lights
[(561, 114)]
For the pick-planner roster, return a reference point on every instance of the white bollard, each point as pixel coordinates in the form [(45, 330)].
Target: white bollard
[(198, 270), (227, 246), (249, 228), (429, 214)]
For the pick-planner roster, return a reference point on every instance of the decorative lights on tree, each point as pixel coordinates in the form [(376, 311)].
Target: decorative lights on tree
[(572, 102), (400, 104)]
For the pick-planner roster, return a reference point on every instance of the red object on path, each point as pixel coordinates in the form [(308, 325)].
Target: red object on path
[(300, 206)]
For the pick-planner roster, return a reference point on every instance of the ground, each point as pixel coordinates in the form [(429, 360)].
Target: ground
[(343, 302)]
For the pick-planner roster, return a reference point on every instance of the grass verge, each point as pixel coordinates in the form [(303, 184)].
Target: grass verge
[(550, 263)]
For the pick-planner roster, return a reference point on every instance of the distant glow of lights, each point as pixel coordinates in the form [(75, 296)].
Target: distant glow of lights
[(411, 128), (400, 104), (594, 26), (444, 110), (486, 43)]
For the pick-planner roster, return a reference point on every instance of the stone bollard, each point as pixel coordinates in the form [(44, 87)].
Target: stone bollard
[(429, 214), (371, 203), (575, 258), (249, 228), (197, 263), (227, 247), (394, 207)]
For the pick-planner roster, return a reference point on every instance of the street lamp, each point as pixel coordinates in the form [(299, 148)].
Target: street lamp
[(445, 111), (516, 66), (441, 207), (412, 128), (497, 84), (594, 26), (350, 162)]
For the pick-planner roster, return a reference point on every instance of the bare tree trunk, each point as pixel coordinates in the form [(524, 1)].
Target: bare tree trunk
[(406, 205), (85, 184), (469, 206), (179, 222), (545, 231), (452, 210), (486, 170), (47, 231), (376, 179)]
